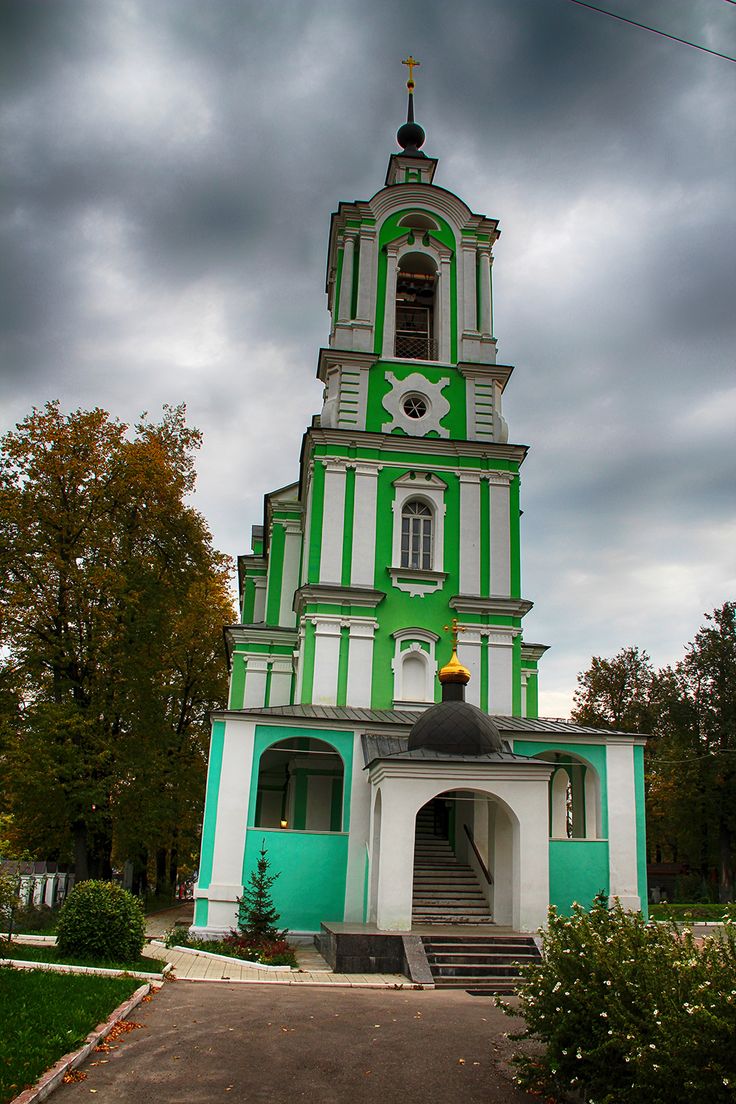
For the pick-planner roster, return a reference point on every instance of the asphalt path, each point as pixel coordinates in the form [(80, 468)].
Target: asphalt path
[(200, 1042)]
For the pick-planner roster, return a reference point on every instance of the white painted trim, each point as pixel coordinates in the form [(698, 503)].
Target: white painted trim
[(432, 491), (326, 660), (360, 663), (500, 537), (622, 842)]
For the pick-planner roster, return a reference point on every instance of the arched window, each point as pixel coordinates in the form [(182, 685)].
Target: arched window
[(300, 787), (416, 322), (416, 535)]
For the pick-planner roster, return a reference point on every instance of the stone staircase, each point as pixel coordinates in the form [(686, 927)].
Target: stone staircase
[(479, 963), (445, 890)]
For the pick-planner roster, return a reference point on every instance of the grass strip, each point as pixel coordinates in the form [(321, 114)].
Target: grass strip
[(43, 952), (43, 1016)]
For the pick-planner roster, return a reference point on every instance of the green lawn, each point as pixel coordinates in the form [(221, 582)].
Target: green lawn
[(44, 1015), (45, 952)]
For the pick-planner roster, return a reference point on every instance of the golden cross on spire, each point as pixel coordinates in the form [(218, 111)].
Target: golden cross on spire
[(453, 628), (412, 63)]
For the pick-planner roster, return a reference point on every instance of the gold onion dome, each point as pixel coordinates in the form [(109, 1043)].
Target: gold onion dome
[(454, 671)]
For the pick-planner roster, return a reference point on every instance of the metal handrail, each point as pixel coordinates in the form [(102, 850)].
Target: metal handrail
[(486, 872), (415, 346)]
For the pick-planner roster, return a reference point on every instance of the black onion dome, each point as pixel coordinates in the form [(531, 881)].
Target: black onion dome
[(410, 137), (455, 728)]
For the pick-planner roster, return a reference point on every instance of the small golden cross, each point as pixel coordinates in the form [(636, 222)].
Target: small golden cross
[(453, 628), (412, 62)]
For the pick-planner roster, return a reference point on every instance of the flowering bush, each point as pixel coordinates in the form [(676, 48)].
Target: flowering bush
[(630, 1011)]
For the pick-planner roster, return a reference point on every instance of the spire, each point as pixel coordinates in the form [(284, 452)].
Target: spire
[(410, 135)]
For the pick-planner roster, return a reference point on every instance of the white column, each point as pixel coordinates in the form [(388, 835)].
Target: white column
[(360, 663), (468, 277), (290, 573), (500, 673), (484, 322), (333, 523), (256, 670), (524, 680), (346, 278), (363, 564), (469, 533), (490, 291), (389, 312), (396, 859), (326, 661), (360, 814), (469, 653), (622, 849), (500, 543), (280, 691), (444, 292)]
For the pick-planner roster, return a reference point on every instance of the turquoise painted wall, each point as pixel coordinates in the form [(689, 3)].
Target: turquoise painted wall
[(312, 868), (578, 869)]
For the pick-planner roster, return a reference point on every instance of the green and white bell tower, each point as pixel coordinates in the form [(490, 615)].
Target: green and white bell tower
[(406, 513), (404, 519)]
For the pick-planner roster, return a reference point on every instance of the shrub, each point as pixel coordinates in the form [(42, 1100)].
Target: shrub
[(630, 1011), (101, 920)]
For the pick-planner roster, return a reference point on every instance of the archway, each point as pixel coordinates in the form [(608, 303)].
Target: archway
[(300, 786), (416, 316), (574, 796), (465, 858)]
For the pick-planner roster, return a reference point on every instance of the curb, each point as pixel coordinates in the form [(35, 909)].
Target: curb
[(220, 958), (64, 968), (407, 984), (53, 1077)]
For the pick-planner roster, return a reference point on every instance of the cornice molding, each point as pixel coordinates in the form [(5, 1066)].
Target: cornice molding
[(496, 604), (434, 446), (339, 595)]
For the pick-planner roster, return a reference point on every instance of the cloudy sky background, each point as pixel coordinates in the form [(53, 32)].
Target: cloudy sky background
[(169, 170)]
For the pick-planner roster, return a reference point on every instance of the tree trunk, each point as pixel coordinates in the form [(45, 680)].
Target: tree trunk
[(81, 853), (161, 881), (725, 855)]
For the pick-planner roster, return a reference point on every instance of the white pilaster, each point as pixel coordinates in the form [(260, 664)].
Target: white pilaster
[(280, 690), (256, 670), (346, 279), (468, 256), (500, 672), (259, 598), (396, 860), (500, 581), (622, 849), (389, 313), (333, 523), (469, 533), (484, 322), (444, 292), (360, 663), (363, 564), (469, 653), (290, 573), (366, 286), (326, 660), (226, 883)]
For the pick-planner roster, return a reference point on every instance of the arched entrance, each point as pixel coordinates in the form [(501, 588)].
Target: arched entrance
[(463, 860)]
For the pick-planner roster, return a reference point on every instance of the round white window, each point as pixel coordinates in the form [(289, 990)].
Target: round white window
[(415, 405)]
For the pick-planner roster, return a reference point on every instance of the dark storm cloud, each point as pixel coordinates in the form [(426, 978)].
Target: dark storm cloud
[(169, 170)]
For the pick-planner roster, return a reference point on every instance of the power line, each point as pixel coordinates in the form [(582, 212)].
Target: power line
[(654, 30)]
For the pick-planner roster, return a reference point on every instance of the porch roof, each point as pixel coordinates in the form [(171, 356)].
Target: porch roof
[(380, 746)]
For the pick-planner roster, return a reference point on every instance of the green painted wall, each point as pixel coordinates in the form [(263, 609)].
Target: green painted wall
[(275, 574), (214, 770), (578, 869), (312, 868)]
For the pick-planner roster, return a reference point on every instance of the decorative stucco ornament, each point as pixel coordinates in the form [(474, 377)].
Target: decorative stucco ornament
[(437, 406)]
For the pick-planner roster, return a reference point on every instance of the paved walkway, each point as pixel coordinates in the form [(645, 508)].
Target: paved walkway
[(312, 968), (278, 1044)]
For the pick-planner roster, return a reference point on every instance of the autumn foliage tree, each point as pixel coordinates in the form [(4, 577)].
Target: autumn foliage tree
[(110, 620)]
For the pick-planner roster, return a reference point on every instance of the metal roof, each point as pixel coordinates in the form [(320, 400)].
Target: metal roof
[(379, 746), (405, 718)]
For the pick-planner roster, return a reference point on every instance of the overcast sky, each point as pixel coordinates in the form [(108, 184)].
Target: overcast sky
[(169, 169)]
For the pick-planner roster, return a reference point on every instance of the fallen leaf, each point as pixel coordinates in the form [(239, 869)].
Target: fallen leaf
[(461, 1061), (74, 1075)]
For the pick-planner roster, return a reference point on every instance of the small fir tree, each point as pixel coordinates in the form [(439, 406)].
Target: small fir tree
[(257, 915)]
